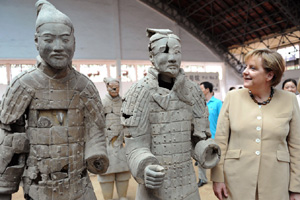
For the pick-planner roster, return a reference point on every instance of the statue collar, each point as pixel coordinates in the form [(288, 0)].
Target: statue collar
[(113, 99), (179, 88)]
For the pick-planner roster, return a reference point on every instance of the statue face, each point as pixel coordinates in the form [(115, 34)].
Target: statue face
[(113, 89), (167, 56), (56, 44)]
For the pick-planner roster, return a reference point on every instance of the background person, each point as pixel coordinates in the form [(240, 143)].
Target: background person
[(259, 135), (214, 106), (291, 86)]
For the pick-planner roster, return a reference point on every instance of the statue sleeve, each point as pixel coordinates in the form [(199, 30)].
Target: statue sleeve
[(135, 118), (95, 147), (14, 144), (200, 110), (15, 101)]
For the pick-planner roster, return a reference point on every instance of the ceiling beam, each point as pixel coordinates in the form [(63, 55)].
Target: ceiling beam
[(231, 12), (237, 31), (188, 14), (288, 8), (205, 30), (237, 28), (252, 31)]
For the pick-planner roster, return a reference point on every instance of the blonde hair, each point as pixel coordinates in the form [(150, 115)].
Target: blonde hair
[(272, 61)]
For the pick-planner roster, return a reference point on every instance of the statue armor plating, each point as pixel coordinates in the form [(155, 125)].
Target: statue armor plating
[(118, 170), (166, 122), (51, 121)]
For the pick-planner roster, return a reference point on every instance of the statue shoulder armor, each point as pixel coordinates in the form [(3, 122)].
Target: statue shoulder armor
[(199, 102), (34, 78), (16, 99), (135, 104), (195, 88), (82, 81), (91, 99)]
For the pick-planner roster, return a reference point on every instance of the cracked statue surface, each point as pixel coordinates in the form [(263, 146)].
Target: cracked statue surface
[(52, 121), (166, 124), (118, 172)]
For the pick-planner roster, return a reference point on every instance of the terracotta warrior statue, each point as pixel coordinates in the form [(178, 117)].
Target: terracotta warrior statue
[(166, 122), (118, 171), (51, 120)]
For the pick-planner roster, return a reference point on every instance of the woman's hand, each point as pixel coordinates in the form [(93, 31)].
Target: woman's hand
[(294, 196), (220, 190)]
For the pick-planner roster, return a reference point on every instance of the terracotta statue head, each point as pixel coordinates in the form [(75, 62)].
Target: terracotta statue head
[(54, 37), (113, 86), (164, 51)]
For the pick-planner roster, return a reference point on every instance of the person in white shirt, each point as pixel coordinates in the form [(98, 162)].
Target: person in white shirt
[(291, 86)]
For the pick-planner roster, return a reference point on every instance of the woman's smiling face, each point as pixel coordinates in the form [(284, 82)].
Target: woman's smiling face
[(255, 75)]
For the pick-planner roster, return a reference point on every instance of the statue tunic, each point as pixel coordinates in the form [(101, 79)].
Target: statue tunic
[(114, 135), (65, 124), (159, 131)]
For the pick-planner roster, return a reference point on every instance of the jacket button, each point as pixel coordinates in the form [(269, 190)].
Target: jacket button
[(259, 117)]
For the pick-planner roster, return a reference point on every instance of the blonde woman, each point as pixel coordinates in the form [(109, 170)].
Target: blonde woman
[(259, 134)]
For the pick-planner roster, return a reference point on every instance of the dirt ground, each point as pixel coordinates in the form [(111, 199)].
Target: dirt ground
[(206, 192)]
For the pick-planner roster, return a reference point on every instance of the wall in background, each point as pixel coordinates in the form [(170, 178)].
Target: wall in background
[(102, 28)]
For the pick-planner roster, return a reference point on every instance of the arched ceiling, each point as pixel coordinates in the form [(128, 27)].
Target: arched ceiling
[(231, 28)]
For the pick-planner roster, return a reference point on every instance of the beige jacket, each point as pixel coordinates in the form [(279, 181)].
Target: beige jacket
[(260, 146)]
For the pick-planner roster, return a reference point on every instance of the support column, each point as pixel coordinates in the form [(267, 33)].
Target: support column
[(8, 72), (136, 72), (118, 40), (108, 69)]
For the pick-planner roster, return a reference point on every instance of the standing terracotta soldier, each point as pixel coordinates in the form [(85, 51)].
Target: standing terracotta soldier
[(166, 122), (51, 121), (118, 170)]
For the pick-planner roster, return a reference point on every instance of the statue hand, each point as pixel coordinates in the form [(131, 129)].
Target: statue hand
[(97, 164), (207, 153), (154, 176)]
